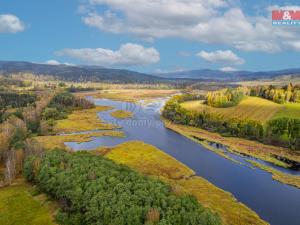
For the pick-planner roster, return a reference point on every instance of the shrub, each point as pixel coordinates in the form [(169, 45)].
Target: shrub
[(116, 195)]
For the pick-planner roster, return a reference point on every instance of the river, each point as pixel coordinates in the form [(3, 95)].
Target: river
[(277, 203)]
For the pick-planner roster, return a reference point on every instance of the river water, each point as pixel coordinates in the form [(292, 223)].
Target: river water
[(277, 203)]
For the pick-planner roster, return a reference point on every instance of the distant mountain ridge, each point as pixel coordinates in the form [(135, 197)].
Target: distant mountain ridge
[(100, 74), (78, 73), (207, 74)]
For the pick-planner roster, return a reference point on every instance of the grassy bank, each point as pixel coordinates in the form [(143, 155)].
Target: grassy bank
[(18, 206), (83, 120), (121, 114), (50, 142), (151, 161), (242, 146), (279, 176)]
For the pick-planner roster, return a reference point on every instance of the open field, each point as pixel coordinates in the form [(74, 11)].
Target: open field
[(130, 95), (19, 207), (121, 114), (252, 108), (290, 110), (151, 161), (243, 146), (83, 120)]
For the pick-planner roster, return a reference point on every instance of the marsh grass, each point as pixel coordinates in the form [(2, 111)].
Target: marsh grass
[(83, 120), (238, 145), (279, 176), (19, 207), (58, 141), (121, 114)]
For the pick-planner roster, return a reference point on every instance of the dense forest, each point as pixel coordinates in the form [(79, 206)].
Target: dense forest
[(64, 103), (93, 190), (16, 100), (282, 131), (12, 100)]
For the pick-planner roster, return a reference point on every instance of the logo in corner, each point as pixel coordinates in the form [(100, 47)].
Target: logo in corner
[(286, 17)]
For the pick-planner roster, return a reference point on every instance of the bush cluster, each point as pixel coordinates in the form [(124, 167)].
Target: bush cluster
[(64, 103), (95, 190)]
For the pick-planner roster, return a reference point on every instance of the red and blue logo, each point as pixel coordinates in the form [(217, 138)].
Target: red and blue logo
[(286, 17)]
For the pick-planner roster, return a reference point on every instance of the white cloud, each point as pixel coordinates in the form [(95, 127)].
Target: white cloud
[(52, 62), (228, 69), (219, 56), (207, 21), (128, 55), (10, 24), (55, 63)]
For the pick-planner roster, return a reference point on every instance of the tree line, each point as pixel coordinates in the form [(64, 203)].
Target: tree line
[(35, 119), (16, 126), (282, 131), (91, 189), (11, 100), (288, 93), (226, 98), (233, 96)]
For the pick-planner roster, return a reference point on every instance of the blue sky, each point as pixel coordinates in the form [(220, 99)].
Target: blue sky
[(149, 36)]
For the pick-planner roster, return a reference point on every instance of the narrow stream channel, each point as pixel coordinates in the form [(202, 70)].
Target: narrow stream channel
[(277, 203)]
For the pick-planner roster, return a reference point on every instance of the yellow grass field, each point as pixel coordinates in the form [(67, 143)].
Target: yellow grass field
[(151, 161), (130, 95), (253, 108), (19, 207), (58, 141), (121, 114), (83, 120)]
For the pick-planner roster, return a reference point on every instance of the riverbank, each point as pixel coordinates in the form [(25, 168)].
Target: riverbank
[(80, 126), (121, 114), (83, 120), (58, 141), (250, 148), (153, 162)]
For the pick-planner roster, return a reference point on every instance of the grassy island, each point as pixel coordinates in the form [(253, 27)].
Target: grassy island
[(121, 114)]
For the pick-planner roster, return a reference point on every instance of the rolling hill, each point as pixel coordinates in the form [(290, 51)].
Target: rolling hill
[(206, 74), (79, 73), (100, 74), (252, 108)]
